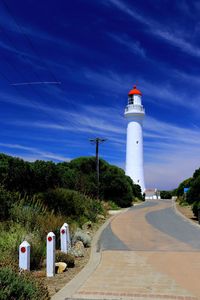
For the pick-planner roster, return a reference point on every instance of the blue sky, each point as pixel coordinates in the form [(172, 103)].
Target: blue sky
[(97, 50)]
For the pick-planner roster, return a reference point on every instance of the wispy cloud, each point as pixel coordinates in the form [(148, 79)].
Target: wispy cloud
[(174, 153), (176, 38), (36, 153), (133, 45)]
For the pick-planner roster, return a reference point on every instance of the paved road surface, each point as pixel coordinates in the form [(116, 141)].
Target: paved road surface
[(147, 252)]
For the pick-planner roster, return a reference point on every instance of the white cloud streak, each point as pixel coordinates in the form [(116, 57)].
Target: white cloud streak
[(36, 153), (175, 39), (133, 46)]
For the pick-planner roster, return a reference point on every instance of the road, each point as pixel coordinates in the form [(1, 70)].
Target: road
[(147, 252)]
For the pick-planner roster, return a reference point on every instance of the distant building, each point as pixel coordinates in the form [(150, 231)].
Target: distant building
[(152, 194)]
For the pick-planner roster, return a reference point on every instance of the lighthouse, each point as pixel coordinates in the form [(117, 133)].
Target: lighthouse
[(134, 114)]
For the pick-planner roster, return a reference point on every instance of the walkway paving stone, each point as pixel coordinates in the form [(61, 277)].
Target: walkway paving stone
[(150, 262)]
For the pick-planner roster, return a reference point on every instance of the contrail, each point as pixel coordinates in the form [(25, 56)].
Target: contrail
[(36, 82)]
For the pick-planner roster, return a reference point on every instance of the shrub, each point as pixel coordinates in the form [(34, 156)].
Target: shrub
[(38, 250), (6, 200), (80, 235), (26, 211), (50, 222), (166, 194), (10, 239), (72, 204), (21, 286), (195, 208), (113, 205), (13, 235), (66, 258)]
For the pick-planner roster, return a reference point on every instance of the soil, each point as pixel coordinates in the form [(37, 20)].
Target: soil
[(187, 212), (57, 282)]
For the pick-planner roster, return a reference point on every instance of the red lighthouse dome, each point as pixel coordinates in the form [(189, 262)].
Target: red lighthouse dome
[(135, 91)]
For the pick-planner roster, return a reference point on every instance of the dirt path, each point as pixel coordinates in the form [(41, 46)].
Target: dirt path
[(187, 212)]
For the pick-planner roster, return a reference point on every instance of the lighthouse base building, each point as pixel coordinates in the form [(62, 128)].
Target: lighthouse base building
[(134, 114)]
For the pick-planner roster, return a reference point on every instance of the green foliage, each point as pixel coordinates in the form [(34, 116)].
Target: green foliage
[(195, 208), (193, 194), (72, 203), (10, 238), (12, 235), (166, 194), (137, 192), (26, 212), (182, 201), (21, 286), (112, 205), (79, 174), (45, 175), (38, 250), (15, 174), (180, 190), (116, 186), (67, 258), (26, 177), (6, 200), (50, 222)]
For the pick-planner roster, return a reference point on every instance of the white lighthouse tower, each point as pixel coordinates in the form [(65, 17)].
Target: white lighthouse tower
[(134, 114)]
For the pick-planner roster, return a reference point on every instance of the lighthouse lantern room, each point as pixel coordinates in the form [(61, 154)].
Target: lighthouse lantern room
[(134, 113)]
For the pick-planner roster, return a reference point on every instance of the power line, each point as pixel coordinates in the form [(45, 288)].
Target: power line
[(97, 141)]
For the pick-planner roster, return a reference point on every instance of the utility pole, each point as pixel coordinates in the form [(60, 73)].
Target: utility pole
[(97, 141)]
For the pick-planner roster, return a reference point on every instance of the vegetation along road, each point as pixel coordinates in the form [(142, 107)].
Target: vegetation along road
[(147, 252)]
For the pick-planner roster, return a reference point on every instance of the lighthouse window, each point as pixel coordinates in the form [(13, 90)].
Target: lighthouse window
[(137, 142), (138, 181), (130, 100)]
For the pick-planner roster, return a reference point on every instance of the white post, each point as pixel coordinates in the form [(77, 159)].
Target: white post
[(24, 256), (50, 259), (68, 236), (63, 239)]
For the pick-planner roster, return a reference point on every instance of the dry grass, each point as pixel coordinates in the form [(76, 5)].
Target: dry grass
[(187, 212)]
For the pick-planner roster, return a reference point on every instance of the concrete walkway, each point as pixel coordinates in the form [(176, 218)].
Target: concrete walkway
[(147, 252)]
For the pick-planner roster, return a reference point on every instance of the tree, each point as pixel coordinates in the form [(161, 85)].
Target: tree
[(166, 194), (116, 186), (45, 175), (15, 173), (193, 195), (186, 183)]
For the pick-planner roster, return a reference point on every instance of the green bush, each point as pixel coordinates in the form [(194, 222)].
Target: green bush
[(10, 238), (26, 212), (38, 250), (116, 186), (66, 258), (6, 200), (166, 194), (21, 286), (195, 207), (72, 204), (112, 205), (13, 235)]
